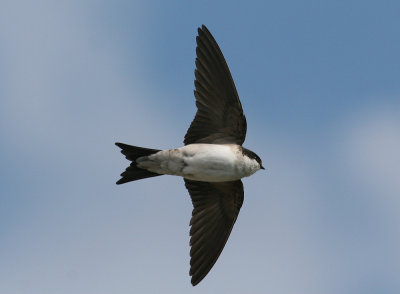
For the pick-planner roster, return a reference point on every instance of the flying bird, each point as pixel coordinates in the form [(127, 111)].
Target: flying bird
[(212, 160)]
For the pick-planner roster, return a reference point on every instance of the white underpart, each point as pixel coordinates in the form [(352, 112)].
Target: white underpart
[(201, 162)]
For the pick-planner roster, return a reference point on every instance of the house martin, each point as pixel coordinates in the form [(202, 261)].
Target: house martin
[(212, 160)]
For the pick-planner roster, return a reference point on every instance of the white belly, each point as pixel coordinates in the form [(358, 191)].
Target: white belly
[(201, 162)]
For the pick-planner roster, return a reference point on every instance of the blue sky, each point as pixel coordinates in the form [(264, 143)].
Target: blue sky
[(320, 85)]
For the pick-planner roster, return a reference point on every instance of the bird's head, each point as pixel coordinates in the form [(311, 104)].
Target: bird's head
[(250, 154)]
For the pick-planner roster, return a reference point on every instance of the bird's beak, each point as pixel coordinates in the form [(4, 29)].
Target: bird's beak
[(262, 167)]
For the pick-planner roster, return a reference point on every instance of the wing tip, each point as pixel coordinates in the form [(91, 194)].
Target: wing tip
[(203, 29), (194, 282)]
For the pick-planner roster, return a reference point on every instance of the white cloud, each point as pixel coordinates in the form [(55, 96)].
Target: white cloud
[(62, 76), (371, 151), (368, 160)]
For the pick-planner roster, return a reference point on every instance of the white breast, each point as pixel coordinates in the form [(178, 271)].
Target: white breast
[(201, 162)]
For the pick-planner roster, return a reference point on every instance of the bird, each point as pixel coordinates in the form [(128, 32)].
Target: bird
[(212, 161)]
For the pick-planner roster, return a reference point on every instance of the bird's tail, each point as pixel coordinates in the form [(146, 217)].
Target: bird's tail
[(132, 172)]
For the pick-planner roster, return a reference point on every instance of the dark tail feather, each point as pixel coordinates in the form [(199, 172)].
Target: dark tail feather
[(132, 172)]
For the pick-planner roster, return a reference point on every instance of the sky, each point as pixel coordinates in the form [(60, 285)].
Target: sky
[(319, 82)]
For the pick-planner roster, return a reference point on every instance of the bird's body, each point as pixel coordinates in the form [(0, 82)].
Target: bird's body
[(212, 162), (201, 162)]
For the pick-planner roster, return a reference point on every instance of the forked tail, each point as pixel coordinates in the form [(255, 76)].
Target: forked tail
[(132, 172)]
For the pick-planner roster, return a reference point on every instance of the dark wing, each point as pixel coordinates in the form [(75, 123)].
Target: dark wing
[(215, 209), (219, 118)]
